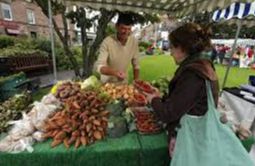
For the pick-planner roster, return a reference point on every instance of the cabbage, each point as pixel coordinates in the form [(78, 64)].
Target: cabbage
[(91, 82)]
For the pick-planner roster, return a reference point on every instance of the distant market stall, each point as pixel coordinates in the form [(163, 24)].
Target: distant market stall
[(236, 13), (230, 42), (241, 14)]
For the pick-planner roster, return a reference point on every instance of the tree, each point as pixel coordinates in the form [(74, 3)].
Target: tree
[(80, 17), (103, 18), (58, 8)]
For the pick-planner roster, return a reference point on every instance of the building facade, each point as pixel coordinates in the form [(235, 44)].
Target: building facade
[(25, 18)]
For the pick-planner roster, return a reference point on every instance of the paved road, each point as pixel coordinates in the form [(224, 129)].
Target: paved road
[(48, 79)]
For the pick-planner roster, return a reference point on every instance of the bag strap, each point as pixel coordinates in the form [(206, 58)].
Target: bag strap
[(210, 99)]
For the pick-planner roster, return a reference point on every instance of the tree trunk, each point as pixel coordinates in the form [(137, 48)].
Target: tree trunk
[(68, 52), (105, 18), (44, 6), (82, 20)]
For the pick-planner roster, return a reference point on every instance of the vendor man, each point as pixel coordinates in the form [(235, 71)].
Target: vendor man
[(117, 51)]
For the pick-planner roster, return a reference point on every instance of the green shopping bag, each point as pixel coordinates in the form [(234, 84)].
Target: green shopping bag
[(247, 143), (205, 141)]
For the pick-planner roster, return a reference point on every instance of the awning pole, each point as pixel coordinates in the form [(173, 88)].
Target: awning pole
[(52, 42), (239, 25)]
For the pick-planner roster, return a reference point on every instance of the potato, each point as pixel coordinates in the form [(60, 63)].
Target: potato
[(96, 122), (77, 142), (84, 140), (97, 135)]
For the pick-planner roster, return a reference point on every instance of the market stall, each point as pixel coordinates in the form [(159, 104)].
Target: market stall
[(240, 110), (76, 132), (235, 99), (132, 135), (86, 123), (131, 149), (230, 42)]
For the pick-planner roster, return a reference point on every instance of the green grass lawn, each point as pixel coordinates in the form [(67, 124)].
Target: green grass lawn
[(153, 67), (37, 96)]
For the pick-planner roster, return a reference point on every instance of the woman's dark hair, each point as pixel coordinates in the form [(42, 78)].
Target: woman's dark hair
[(192, 38)]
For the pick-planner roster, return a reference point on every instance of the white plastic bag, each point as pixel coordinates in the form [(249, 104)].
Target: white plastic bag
[(23, 134), (21, 128), (42, 110), (38, 136), (8, 144), (50, 99)]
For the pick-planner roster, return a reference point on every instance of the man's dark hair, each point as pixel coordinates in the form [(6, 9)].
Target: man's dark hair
[(126, 19)]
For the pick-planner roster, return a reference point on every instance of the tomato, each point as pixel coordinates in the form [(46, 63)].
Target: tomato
[(144, 86)]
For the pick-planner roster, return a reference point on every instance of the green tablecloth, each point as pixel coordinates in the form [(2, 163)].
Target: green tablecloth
[(130, 150)]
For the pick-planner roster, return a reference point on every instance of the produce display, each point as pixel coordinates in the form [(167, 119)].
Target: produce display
[(146, 122), (144, 86), (139, 100), (91, 83), (11, 109), (161, 84), (117, 127), (28, 130), (67, 90), (119, 91), (82, 121), (79, 114), (128, 93)]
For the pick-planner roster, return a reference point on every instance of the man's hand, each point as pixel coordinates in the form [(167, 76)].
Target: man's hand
[(120, 75)]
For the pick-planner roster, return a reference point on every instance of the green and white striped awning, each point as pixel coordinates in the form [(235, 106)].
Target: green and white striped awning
[(173, 7)]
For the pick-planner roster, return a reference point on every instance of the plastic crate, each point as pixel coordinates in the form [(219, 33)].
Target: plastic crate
[(6, 94), (12, 82)]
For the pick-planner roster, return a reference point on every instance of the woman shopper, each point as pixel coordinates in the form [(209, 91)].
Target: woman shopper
[(189, 109)]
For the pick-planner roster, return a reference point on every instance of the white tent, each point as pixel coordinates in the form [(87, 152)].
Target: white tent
[(174, 7), (230, 42)]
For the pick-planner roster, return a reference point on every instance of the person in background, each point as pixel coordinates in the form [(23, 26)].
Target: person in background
[(150, 49), (117, 51), (196, 134), (250, 53), (214, 53), (236, 57), (222, 52), (243, 58)]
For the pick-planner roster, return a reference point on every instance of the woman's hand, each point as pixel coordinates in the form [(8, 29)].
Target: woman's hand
[(150, 96)]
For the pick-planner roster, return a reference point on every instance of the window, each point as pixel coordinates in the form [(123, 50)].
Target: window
[(30, 16), (6, 11), (33, 34)]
